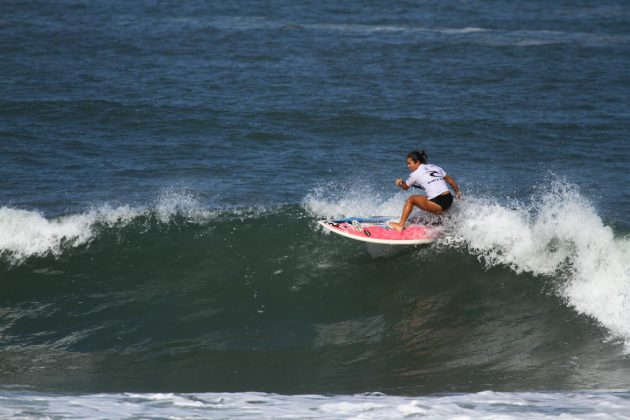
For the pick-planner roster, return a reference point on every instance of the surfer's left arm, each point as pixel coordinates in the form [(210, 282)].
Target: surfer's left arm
[(453, 185)]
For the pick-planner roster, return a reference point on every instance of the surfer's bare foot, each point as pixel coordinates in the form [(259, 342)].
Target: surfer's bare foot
[(397, 226)]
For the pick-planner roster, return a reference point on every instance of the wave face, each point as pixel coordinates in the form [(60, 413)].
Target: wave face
[(175, 296)]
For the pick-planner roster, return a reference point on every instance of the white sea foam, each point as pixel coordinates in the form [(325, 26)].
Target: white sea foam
[(560, 235), (250, 405), (557, 234), (28, 233)]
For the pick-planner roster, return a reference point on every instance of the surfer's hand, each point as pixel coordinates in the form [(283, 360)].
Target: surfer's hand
[(458, 195), (398, 182)]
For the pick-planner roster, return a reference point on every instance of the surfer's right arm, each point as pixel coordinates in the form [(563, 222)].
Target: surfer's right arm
[(402, 184), (453, 184)]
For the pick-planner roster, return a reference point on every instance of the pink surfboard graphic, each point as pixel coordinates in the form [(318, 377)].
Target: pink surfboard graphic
[(380, 232)]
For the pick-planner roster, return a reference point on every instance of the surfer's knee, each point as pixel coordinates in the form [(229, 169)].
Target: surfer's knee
[(410, 202), (415, 199)]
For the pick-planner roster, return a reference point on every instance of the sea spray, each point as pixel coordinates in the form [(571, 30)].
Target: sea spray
[(332, 200), (180, 202)]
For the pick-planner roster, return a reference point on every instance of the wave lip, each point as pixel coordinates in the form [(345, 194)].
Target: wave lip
[(560, 236), (25, 233), (28, 233)]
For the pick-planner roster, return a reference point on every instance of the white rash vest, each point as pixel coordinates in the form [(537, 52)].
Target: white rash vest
[(429, 178)]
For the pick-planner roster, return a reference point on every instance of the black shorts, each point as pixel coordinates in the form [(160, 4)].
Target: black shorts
[(443, 201)]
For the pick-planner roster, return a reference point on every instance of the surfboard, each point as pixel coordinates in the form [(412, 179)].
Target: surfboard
[(375, 230)]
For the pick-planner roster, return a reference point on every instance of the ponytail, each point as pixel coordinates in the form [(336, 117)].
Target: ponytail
[(420, 156)]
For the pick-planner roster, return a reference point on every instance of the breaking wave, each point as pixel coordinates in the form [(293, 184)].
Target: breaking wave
[(556, 234)]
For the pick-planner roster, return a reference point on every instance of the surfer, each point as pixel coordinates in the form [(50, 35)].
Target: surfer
[(430, 178)]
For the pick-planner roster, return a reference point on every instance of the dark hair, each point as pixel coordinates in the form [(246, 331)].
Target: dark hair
[(420, 156)]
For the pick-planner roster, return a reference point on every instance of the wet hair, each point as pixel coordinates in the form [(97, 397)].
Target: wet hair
[(418, 156)]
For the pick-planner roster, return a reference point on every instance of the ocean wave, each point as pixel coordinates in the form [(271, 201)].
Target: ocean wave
[(557, 234)]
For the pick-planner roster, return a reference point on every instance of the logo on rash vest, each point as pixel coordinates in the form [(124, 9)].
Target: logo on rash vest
[(436, 175)]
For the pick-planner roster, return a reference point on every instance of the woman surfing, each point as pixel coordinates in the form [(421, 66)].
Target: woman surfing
[(430, 178)]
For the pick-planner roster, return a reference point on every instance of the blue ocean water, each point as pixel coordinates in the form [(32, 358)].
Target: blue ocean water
[(163, 166)]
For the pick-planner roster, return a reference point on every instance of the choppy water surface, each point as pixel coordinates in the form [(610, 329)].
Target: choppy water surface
[(163, 166)]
